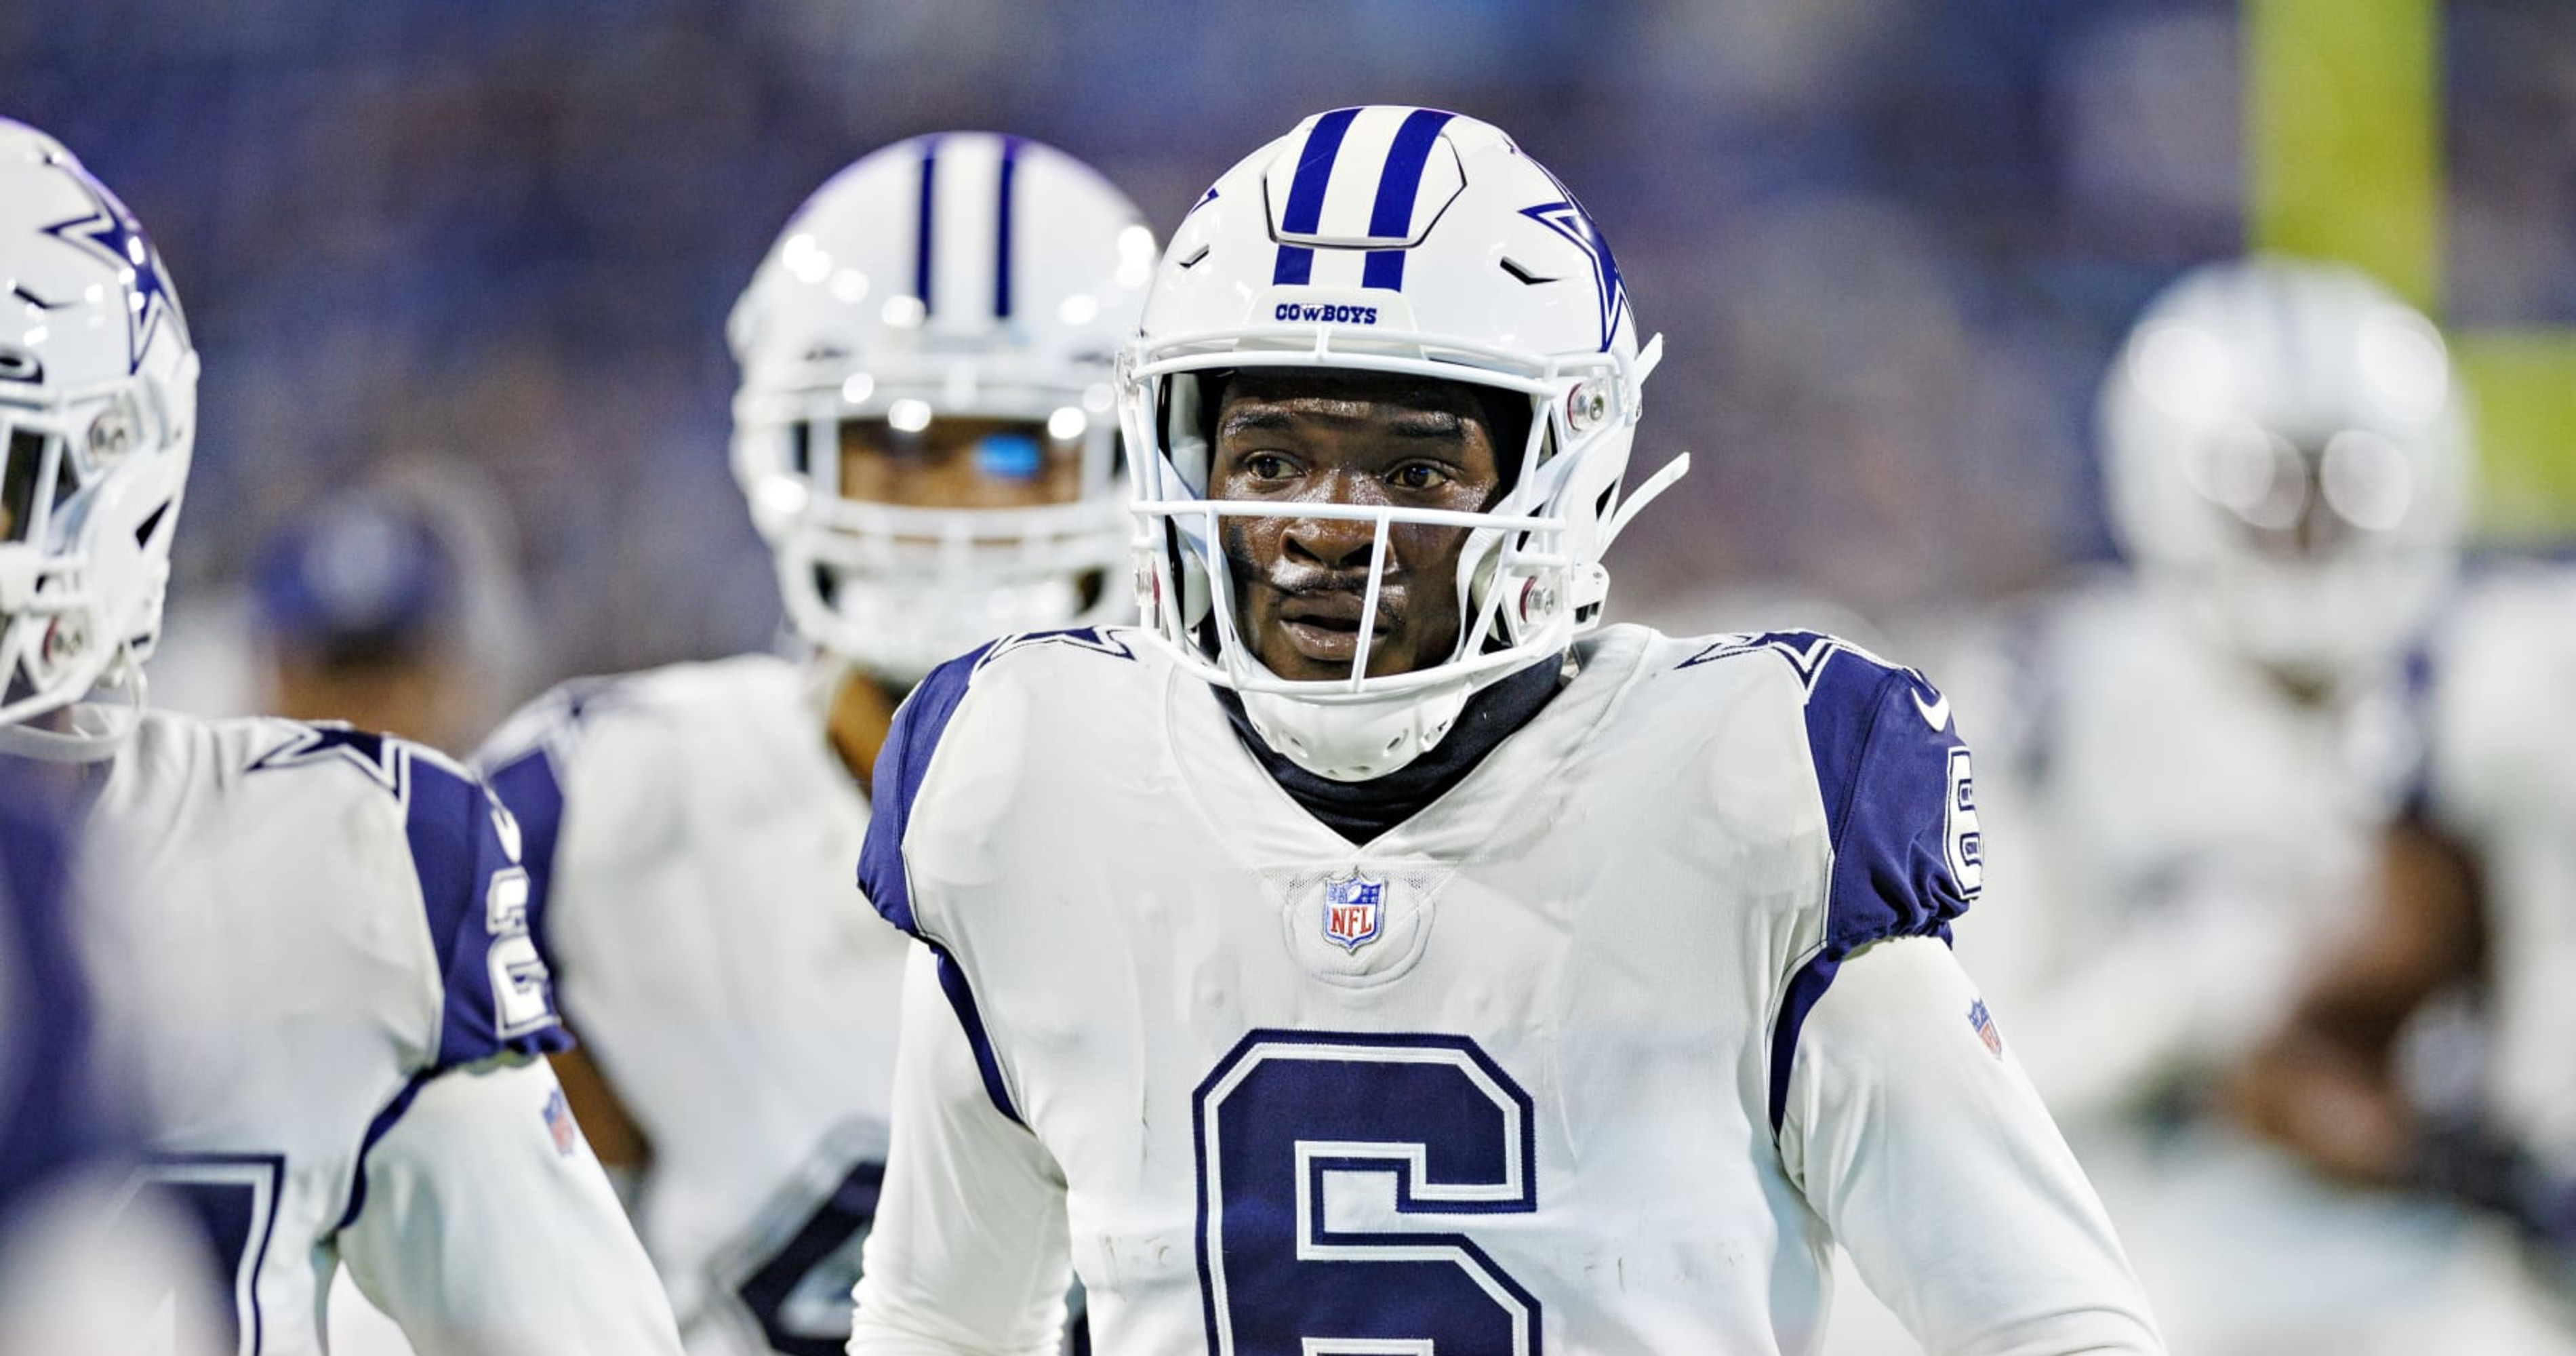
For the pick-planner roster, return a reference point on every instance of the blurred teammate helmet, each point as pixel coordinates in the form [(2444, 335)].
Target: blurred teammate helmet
[(2286, 449), (1408, 241), (98, 403), (925, 427)]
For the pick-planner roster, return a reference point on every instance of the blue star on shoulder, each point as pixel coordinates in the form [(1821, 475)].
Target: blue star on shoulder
[(1093, 638), (112, 233), (1807, 651), (383, 760)]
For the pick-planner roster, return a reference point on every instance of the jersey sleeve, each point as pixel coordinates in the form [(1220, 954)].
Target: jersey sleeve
[(903, 763), (969, 1251), (902, 766), (496, 996), (1914, 1135), (489, 1227), (1899, 796)]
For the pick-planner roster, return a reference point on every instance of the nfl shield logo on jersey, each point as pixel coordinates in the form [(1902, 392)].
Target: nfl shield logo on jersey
[(1352, 913)]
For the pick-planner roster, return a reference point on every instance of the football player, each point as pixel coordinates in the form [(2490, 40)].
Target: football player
[(2476, 893), (359, 607), (2191, 759), (2197, 750), (926, 434), (316, 936), (1370, 952)]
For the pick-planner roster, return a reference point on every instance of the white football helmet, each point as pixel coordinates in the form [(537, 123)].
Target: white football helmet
[(924, 427), (1400, 240), (2286, 450), (98, 405)]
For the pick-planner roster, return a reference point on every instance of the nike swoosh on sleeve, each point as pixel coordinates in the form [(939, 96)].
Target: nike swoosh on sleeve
[(1935, 714)]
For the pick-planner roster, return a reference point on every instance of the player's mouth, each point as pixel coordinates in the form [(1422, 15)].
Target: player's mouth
[(1325, 626)]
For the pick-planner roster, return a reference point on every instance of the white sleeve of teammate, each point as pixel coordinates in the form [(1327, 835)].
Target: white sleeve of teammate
[(480, 1234), (1936, 1165), (969, 1252)]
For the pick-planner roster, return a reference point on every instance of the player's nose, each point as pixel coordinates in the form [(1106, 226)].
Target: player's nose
[(1330, 543)]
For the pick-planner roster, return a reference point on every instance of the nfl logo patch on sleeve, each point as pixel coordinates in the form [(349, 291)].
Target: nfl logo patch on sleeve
[(1352, 905), (1984, 1022), (560, 1124)]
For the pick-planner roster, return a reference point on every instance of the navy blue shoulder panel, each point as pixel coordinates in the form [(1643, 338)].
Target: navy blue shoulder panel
[(529, 784), (901, 766), (1895, 780), (496, 994), (1900, 811), (896, 782)]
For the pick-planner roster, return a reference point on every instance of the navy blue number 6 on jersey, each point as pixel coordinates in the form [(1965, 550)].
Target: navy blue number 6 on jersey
[(1335, 1173)]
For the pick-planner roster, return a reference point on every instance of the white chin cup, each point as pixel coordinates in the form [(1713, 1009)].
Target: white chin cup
[(1360, 738), (901, 631)]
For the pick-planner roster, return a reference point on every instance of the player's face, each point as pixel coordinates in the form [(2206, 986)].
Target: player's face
[(959, 463), (1292, 438)]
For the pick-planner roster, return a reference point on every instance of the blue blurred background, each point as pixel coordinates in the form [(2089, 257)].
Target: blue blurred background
[(1891, 242)]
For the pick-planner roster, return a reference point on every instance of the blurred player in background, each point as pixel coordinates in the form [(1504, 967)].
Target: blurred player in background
[(388, 607), (2475, 898), (2198, 749), (1360, 956), (316, 936), (66, 1147), (390, 604), (2191, 761), (924, 432)]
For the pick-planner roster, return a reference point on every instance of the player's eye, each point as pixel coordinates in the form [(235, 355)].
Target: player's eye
[(1418, 476), (1270, 466)]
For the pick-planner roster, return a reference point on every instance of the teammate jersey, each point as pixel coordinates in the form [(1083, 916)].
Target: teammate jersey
[(2180, 835), (1596, 1053), (317, 940), (692, 830), (2501, 776)]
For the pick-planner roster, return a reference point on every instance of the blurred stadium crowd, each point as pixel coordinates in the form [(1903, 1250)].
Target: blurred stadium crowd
[(472, 261), (1892, 241)]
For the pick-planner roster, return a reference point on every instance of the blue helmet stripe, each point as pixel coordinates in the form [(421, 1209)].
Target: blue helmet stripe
[(1397, 186), (1002, 233), (922, 238), (1305, 209)]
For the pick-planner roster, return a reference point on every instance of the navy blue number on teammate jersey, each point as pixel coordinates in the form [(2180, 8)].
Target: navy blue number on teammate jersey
[(1303, 1139), (232, 1199), (800, 1294)]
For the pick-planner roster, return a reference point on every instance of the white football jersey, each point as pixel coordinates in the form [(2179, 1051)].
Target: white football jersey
[(2501, 776), (692, 833), (1598, 1052), (314, 938), (2180, 838)]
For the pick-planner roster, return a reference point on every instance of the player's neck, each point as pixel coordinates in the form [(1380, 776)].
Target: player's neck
[(861, 713)]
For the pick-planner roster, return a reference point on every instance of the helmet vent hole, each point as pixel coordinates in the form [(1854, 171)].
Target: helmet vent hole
[(1193, 260), (143, 531), (1529, 279)]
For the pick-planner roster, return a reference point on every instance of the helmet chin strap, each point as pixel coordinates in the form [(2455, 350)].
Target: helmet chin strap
[(107, 727)]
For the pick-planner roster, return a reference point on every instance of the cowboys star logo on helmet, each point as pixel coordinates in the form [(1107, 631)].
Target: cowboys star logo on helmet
[(110, 232)]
